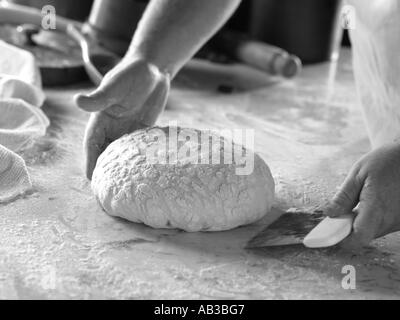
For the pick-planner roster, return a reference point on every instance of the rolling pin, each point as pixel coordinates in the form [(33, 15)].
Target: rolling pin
[(259, 55)]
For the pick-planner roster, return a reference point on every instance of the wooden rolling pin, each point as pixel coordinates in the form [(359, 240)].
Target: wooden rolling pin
[(260, 55)]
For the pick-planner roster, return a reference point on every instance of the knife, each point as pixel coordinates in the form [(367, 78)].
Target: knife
[(313, 230)]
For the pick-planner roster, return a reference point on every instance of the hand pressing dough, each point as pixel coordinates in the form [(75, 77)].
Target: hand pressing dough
[(184, 195)]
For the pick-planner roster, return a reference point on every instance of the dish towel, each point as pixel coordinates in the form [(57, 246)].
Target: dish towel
[(21, 119)]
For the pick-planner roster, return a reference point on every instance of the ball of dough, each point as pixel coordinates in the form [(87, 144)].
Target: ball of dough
[(145, 178)]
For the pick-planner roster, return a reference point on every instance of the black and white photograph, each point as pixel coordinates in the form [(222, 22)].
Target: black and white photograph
[(199, 158)]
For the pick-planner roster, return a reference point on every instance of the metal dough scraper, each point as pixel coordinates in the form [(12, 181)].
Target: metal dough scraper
[(314, 230)]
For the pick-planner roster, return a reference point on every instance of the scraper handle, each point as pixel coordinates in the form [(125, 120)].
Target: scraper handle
[(330, 232)]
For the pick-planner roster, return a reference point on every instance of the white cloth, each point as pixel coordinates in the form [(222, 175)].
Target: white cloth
[(20, 64), (13, 87), (21, 119), (20, 124), (14, 177)]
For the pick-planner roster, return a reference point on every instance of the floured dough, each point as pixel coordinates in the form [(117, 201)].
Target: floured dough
[(182, 194)]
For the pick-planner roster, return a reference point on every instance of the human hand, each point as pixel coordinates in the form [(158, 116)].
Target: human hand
[(130, 97), (372, 190)]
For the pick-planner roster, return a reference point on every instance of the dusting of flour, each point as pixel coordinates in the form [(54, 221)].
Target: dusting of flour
[(58, 243)]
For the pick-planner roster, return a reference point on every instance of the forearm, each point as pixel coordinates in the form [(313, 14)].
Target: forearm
[(171, 31)]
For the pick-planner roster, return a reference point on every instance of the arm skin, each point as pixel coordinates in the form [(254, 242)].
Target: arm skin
[(171, 31), (134, 93)]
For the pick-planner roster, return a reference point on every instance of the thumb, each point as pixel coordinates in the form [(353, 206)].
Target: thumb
[(366, 225), (347, 198), (155, 105), (94, 101)]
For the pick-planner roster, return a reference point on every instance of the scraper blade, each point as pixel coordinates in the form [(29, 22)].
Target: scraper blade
[(314, 230), (290, 229)]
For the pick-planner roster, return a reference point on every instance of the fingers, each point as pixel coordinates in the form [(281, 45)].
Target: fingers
[(347, 198), (92, 154), (94, 144), (124, 89), (366, 226), (92, 102), (155, 105)]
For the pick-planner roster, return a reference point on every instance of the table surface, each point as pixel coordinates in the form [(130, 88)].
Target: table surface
[(56, 242)]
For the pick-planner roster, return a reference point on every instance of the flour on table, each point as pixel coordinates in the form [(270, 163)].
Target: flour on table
[(180, 192)]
